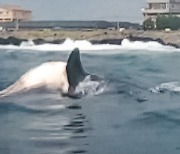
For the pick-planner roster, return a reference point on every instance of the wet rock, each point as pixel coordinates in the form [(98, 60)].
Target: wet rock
[(4, 41), (39, 41), (147, 39), (15, 41), (57, 41), (113, 41), (107, 41)]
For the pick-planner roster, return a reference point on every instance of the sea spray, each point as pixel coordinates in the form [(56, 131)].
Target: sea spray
[(85, 45)]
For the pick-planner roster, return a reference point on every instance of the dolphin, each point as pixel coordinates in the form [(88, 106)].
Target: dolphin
[(57, 75)]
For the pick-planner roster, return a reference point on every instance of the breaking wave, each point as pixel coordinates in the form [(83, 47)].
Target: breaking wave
[(151, 46), (85, 45), (89, 87), (168, 86)]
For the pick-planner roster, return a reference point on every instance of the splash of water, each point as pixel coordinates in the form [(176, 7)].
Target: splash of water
[(89, 87), (85, 45), (168, 86)]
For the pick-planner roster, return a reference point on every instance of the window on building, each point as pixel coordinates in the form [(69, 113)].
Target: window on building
[(162, 5), (157, 6), (150, 6), (172, 6), (7, 19)]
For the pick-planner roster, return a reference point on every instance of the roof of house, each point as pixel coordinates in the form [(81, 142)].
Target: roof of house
[(13, 8)]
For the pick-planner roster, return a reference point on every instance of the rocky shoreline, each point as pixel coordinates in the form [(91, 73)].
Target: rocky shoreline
[(99, 36)]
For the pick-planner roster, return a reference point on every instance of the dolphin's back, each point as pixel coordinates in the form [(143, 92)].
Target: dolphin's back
[(51, 74)]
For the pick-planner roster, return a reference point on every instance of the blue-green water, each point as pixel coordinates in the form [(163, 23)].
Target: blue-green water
[(138, 113)]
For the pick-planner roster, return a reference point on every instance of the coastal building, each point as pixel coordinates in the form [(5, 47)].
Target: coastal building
[(10, 13), (161, 7)]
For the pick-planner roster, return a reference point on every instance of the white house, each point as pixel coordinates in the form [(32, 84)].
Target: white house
[(161, 7), (9, 13)]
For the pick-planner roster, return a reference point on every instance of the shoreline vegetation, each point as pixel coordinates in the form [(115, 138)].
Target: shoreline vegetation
[(95, 36)]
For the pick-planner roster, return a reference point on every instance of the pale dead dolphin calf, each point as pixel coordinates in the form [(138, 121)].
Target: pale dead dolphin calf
[(58, 75)]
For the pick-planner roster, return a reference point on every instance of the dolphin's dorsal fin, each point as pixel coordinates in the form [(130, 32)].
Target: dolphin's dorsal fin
[(74, 69)]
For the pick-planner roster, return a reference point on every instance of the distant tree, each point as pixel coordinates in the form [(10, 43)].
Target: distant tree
[(148, 24), (168, 21)]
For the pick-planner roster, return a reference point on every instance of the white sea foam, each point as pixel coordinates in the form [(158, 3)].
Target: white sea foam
[(27, 43), (151, 46), (85, 45), (167, 86), (91, 87)]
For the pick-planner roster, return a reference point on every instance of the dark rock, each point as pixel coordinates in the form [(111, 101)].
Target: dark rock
[(57, 41), (160, 41), (15, 41), (173, 45), (137, 38), (107, 41), (39, 41), (147, 39), (4, 41), (11, 40)]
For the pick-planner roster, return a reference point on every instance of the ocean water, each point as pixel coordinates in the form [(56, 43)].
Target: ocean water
[(138, 111)]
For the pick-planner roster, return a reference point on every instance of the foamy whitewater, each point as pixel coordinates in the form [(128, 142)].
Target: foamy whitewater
[(134, 110), (86, 45)]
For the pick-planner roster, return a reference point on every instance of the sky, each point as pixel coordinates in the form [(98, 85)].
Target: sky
[(110, 10)]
